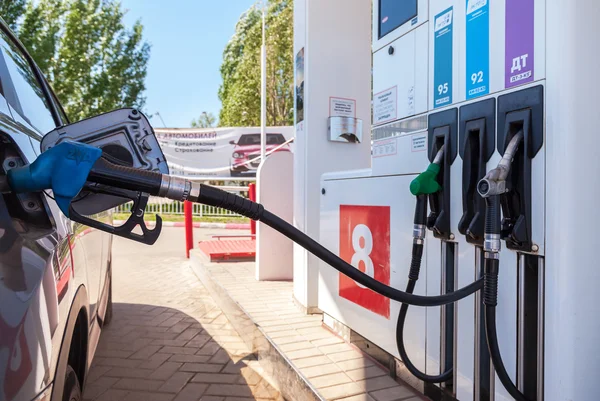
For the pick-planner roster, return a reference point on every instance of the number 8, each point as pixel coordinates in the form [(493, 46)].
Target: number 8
[(363, 254)]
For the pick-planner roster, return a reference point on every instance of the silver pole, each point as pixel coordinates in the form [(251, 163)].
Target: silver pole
[(521, 323), (476, 362), (443, 311), (263, 94), (540, 333)]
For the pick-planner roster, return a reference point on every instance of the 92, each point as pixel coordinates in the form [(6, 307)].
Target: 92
[(477, 77)]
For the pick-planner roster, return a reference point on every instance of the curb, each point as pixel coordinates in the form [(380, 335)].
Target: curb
[(229, 226)]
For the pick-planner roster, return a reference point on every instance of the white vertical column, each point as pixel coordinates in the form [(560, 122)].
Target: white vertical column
[(333, 41), (572, 349)]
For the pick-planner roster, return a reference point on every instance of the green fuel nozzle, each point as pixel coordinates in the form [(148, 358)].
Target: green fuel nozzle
[(426, 183)]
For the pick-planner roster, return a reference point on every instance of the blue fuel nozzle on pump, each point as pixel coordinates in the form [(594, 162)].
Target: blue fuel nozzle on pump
[(64, 169)]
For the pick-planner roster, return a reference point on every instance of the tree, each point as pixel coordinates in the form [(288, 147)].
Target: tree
[(11, 10), (94, 63), (240, 71), (206, 120)]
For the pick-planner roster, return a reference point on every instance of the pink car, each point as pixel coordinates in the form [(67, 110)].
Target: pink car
[(247, 148)]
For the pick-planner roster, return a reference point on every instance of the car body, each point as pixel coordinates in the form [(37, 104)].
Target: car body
[(55, 274), (247, 149)]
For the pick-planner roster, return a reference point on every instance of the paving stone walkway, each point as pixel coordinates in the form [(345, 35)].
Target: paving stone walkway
[(338, 370), (168, 340)]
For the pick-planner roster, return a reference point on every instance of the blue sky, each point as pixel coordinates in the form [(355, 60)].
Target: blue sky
[(187, 38)]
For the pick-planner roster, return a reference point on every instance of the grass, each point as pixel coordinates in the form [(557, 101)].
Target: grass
[(179, 217)]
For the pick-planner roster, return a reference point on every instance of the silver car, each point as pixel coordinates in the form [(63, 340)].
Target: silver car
[(55, 275)]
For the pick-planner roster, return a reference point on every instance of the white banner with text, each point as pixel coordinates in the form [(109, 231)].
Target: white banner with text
[(219, 152)]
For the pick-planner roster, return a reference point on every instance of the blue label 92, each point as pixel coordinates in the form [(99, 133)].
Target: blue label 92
[(442, 72), (478, 48)]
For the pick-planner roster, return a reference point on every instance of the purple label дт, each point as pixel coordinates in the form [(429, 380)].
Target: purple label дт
[(519, 63)]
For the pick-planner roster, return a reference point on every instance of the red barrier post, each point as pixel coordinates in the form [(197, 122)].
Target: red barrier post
[(252, 195), (189, 227)]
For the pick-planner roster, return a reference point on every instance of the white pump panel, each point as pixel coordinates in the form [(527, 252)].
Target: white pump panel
[(362, 228), (400, 77)]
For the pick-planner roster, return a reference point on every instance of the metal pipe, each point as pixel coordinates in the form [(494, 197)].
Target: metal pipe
[(509, 155), (540, 333), (477, 331), (521, 323), (263, 91), (439, 155), (494, 182), (443, 246), (455, 325)]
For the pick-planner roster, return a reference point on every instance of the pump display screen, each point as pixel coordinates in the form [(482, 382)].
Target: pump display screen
[(394, 13)]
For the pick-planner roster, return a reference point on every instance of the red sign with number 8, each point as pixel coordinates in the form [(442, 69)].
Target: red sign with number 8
[(365, 244)]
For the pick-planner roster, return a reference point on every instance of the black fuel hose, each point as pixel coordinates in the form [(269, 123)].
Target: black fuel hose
[(415, 267), (490, 300), (107, 173), (491, 268), (343, 267), (215, 197)]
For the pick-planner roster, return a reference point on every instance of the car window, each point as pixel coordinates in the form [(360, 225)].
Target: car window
[(254, 139), (30, 103), (251, 139), (275, 139)]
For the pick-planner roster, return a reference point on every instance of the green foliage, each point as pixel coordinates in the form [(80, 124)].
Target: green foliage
[(240, 71), (11, 10), (206, 120), (94, 63)]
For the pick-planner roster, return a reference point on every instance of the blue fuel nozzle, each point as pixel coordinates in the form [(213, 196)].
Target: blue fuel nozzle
[(64, 169)]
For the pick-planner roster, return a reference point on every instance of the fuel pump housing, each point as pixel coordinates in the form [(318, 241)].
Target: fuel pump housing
[(476, 73)]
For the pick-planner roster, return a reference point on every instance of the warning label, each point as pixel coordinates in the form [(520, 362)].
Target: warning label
[(385, 105), (340, 107), (419, 143), (385, 148)]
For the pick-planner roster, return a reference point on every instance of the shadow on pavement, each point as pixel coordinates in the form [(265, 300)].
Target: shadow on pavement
[(156, 353)]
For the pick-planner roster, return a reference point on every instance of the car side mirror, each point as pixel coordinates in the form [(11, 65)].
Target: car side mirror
[(125, 137), (232, 142)]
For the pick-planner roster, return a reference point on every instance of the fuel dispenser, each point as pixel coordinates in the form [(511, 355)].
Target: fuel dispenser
[(466, 75)]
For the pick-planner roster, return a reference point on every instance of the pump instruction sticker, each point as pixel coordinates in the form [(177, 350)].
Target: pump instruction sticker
[(385, 148), (365, 244), (478, 48), (519, 51), (385, 105), (341, 107), (419, 143), (442, 70)]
